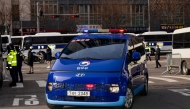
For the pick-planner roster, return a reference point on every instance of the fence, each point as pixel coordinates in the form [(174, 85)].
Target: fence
[(173, 61)]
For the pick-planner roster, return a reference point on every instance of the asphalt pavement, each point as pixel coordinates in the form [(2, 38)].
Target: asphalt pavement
[(166, 91)]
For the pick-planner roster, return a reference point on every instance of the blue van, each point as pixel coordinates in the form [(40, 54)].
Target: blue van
[(98, 70)]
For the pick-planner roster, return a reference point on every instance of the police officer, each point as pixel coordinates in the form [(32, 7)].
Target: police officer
[(148, 52), (12, 64), (19, 65)]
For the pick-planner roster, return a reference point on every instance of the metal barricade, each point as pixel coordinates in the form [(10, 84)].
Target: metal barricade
[(173, 61)]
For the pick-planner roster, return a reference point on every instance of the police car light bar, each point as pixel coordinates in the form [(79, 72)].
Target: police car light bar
[(105, 31)]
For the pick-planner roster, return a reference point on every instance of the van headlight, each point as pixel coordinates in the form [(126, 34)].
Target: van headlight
[(114, 88), (50, 86)]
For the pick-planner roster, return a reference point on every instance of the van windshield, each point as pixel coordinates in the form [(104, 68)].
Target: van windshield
[(96, 48), (5, 40)]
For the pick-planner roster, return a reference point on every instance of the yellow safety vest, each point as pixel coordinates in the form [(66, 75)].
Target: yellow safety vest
[(148, 48), (11, 58)]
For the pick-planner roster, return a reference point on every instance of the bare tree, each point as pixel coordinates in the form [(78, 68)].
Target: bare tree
[(8, 13), (114, 13), (169, 12)]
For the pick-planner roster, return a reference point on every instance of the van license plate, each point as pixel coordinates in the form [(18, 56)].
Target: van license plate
[(78, 93)]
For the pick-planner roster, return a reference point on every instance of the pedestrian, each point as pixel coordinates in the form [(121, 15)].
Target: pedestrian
[(30, 61), (12, 64), (157, 56), (48, 56), (148, 51), (19, 65)]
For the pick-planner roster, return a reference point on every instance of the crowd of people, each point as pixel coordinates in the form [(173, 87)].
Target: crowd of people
[(15, 59)]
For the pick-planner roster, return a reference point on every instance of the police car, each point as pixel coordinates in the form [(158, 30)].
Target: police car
[(98, 70)]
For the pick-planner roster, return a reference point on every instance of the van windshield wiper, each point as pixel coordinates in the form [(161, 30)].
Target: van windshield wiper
[(90, 58), (66, 58)]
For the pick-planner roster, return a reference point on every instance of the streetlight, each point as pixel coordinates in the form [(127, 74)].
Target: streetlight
[(148, 15)]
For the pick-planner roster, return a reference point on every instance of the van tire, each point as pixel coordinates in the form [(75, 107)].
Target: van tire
[(1, 79), (54, 106), (184, 69), (144, 92), (44, 57), (130, 92)]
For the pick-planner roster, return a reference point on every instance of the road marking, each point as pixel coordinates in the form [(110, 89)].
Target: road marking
[(164, 79), (41, 83), (185, 92), (18, 85), (150, 82), (186, 78), (31, 101)]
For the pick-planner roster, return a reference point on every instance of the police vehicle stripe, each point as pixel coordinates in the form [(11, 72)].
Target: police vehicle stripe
[(41, 83)]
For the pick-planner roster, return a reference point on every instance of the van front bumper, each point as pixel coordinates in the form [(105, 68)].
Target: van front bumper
[(120, 102)]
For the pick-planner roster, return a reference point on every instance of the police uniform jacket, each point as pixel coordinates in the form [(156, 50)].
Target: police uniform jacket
[(12, 59)]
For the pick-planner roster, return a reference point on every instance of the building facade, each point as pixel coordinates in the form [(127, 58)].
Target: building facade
[(90, 13)]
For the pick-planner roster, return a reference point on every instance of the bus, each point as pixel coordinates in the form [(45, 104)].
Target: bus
[(181, 45), (161, 38), (40, 41)]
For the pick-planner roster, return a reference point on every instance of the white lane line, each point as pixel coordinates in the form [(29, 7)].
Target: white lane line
[(186, 78), (41, 83), (164, 79), (150, 82), (18, 85)]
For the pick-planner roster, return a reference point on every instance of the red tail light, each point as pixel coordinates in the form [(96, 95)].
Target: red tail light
[(89, 85)]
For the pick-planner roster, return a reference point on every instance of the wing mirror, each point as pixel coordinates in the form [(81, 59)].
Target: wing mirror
[(136, 56)]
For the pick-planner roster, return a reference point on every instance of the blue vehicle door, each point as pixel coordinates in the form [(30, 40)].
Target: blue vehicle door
[(140, 67), (133, 68)]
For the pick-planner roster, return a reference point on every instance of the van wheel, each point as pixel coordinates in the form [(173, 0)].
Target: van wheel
[(1, 79), (54, 106), (43, 57), (184, 68), (129, 99), (145, 89)]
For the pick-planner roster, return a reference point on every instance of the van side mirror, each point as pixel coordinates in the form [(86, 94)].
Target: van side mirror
[(136, 56), (57, 55)]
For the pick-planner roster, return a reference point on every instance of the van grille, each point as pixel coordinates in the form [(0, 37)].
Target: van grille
[(79, 87)]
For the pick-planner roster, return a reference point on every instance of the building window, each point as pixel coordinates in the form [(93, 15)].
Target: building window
[(15, 13)]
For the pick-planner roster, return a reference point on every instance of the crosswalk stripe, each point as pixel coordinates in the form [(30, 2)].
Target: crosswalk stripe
[(150, 82), (186, 78), (41, 83), (164, 79), (18, 85)]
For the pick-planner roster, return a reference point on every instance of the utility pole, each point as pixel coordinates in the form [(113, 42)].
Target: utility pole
[(38, 18)]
